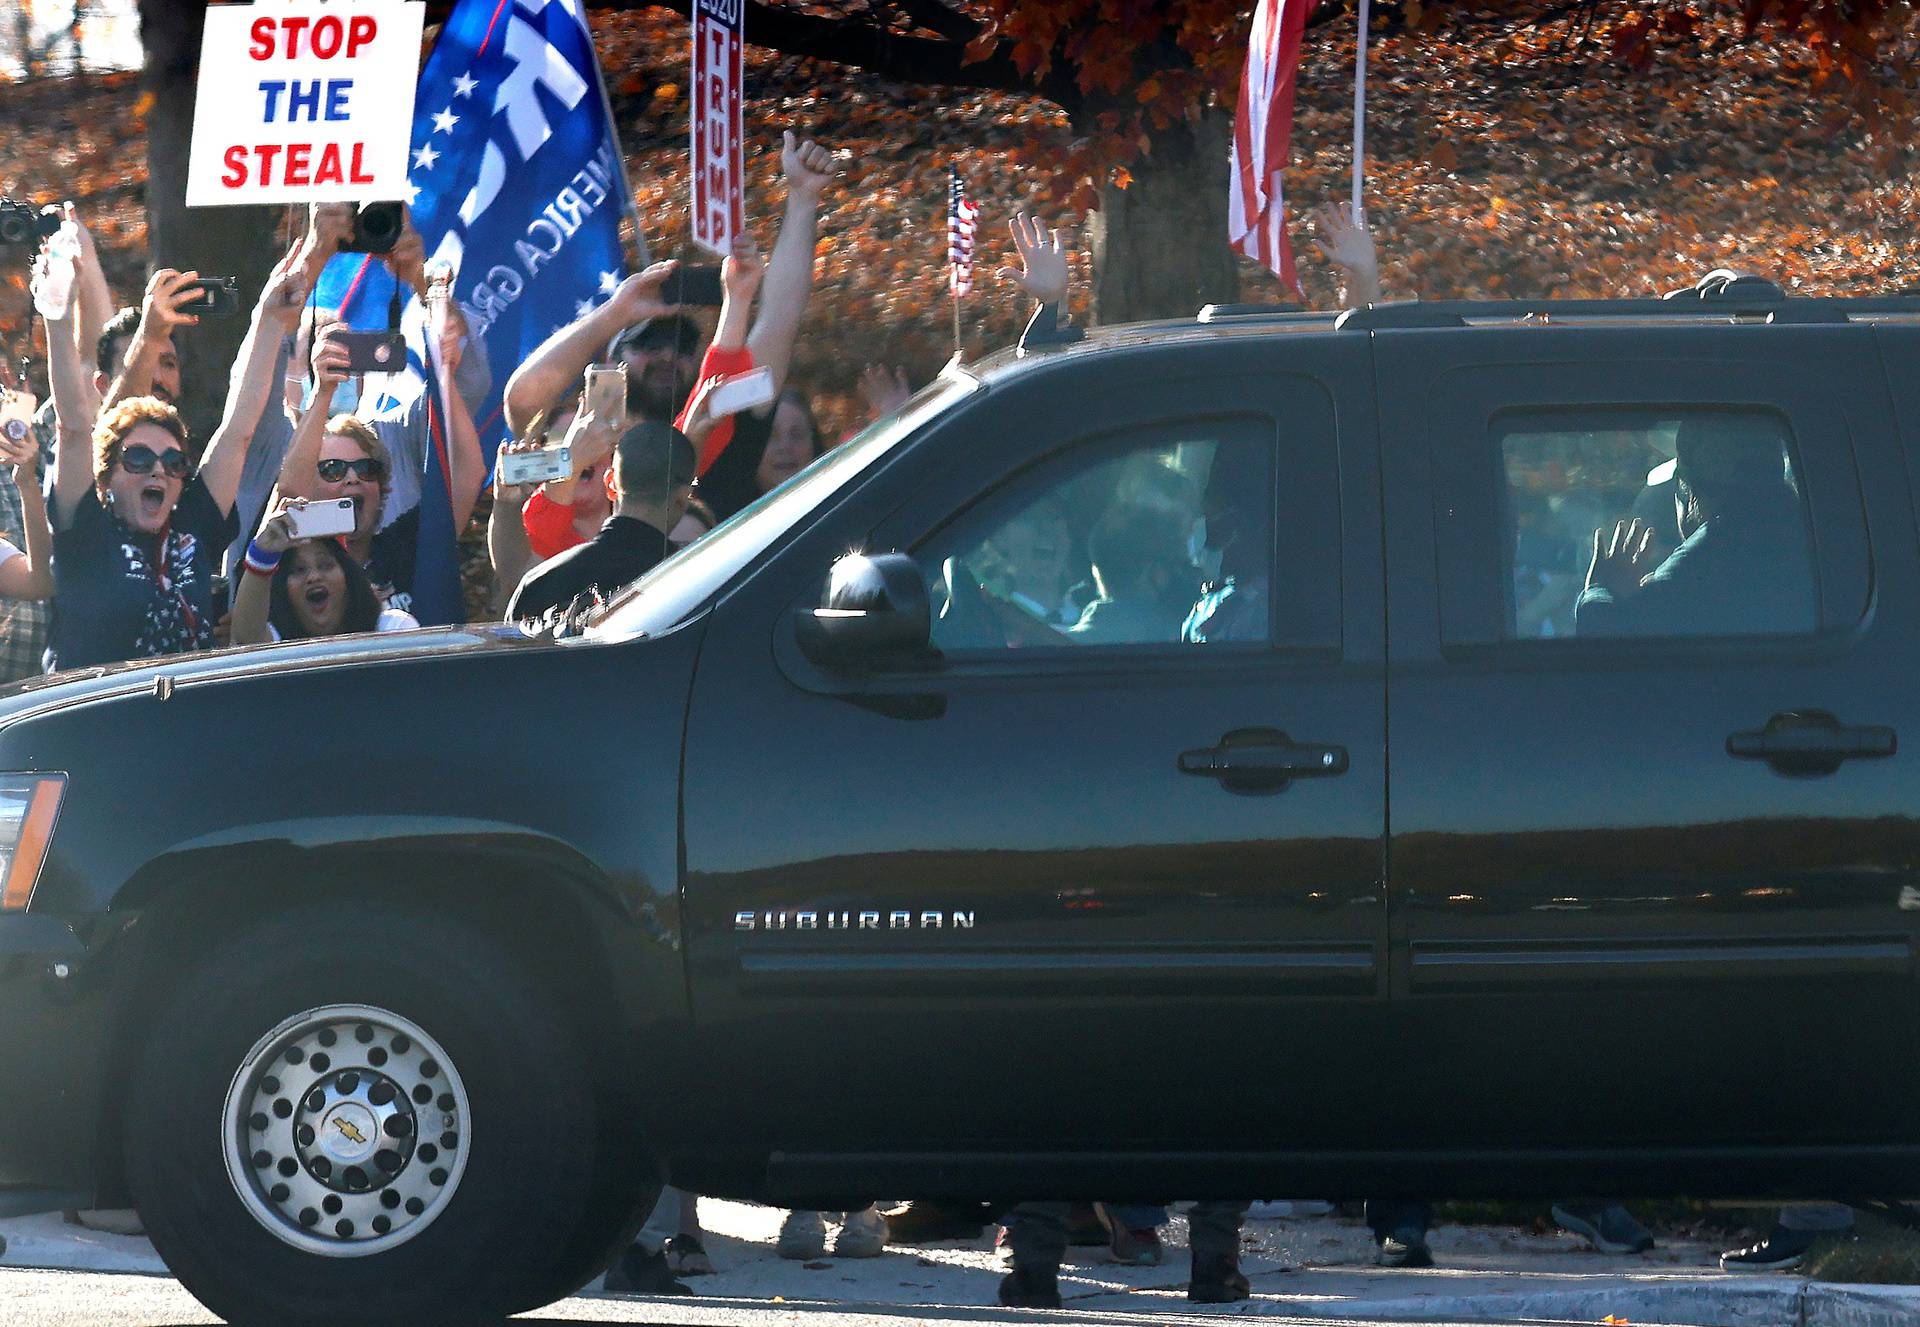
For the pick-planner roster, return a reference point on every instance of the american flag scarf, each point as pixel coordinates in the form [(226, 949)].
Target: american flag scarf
[(1262, 138), (961, 215)]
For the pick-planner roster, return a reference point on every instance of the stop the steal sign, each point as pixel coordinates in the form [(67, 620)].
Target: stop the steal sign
[(304, 101)]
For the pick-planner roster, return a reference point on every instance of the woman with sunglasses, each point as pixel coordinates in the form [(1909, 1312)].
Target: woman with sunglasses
[(299, 589), (138, 530)]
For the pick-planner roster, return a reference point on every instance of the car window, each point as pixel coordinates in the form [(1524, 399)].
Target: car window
[(1154, 538), (1661, 522)]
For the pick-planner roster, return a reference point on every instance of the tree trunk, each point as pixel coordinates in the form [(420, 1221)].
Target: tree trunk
[(1160, 245), (242, 242)]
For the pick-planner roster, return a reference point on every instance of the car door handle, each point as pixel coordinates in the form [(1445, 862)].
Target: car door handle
[(1812, 742), (1262, 759)]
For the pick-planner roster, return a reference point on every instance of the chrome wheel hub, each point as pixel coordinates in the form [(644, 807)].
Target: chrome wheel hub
[(346, 1131)]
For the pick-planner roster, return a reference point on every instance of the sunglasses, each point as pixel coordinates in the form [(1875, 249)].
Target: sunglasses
[(139, 459), (334, 468)]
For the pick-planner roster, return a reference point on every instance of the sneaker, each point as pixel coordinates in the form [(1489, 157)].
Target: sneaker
[(862, 1235), (803, 1236), (1221, 1283), (1781, 1249), (642, 1271), (1405, 1247), (1610, 1229), (686, 1256), (933, 1223), (1023, 1288), (1130, 1248)]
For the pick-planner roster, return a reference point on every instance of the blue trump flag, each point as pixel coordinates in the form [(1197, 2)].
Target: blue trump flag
[(517, 184)]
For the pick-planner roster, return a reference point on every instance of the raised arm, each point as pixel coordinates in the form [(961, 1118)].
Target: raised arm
[(90, 290), (170, 295), (508, 549), (299, 473), (251, 384), (1346, 242), (75, 407), (253, 595), (550, 372), (466, 465), (789, 279), (31, 575)]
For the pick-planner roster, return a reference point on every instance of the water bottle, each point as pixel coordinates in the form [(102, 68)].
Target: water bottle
[(53, 273)]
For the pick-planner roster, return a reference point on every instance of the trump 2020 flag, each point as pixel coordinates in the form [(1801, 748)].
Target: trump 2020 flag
[(516, 182), (1263, 138)]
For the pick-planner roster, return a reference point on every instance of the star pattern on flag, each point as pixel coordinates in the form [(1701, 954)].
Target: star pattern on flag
[(463, 86), (444, 121), (609, 282), (425, 157), (413, 193)]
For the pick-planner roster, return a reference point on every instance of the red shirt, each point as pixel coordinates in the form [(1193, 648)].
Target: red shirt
[(717, 363)]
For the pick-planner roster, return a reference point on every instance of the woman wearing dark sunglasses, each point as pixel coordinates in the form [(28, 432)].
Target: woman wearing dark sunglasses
[(138, 529)]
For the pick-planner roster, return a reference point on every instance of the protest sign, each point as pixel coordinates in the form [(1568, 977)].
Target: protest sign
[(300, 101), (719, 182)]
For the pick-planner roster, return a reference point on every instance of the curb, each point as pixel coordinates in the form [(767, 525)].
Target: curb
[(1746, 1303)]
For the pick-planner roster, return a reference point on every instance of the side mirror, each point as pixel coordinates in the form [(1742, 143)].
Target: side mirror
[(875, 611)]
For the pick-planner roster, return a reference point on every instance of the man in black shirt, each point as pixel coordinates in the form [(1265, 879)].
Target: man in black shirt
[(652, 482)]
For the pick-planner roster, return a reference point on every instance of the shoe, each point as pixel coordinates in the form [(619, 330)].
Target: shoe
[(1405, 1247), (863, 1234), (686, 1256), (1025, 1289), (1781, 1249), (1610, 1229), (803, 1236), (642, 1271), (107, 1220), (1220, 1283), (932, 1223), (1130, 1248)]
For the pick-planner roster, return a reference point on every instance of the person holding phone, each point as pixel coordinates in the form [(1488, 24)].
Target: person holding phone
[(26, 570), (138, 526), (300, 589)]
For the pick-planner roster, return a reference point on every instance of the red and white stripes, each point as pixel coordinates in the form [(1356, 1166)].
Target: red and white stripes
[(962, 213), (1263, 138)]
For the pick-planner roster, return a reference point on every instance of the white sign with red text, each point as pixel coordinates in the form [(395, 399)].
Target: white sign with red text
[(301, 101), (719, 179)]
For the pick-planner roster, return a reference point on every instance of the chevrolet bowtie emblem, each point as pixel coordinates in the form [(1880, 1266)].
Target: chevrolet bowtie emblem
[(346, 1127)]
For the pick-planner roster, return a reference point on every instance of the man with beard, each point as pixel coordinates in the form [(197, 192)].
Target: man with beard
[(660, 346)]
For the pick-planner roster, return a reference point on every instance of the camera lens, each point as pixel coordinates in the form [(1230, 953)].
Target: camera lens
[(377, 227)]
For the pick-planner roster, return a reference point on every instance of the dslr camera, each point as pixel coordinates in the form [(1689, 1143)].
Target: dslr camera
[(376, 228), (22, 225)]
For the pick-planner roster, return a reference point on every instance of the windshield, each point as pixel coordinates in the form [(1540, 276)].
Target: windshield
[(672, 590)]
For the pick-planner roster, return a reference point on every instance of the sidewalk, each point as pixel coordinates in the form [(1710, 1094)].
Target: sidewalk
[(1317, 1267)]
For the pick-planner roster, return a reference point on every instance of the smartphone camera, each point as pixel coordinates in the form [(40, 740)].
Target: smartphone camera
[(376, 228), (220, 297), (22, 225), (695, 285)]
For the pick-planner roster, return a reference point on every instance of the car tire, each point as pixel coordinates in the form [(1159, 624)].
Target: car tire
[(292, 1099)]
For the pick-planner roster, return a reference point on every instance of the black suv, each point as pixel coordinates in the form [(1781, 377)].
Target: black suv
[(1186, 762)]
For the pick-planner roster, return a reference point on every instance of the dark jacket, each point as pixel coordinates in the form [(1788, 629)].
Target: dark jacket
[(624, 550)]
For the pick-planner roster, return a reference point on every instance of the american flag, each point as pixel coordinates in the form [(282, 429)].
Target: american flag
[(961, 214), (1262, 138)]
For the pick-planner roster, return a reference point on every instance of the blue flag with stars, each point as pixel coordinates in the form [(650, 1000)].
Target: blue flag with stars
[(516, 182)]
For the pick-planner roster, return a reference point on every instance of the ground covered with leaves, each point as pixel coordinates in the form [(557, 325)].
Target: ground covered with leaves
[(1507, 160)]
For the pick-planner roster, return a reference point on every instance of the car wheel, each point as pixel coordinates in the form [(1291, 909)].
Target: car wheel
[(376, 1124)]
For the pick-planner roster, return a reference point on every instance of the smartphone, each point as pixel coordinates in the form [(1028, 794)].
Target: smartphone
[(607, 394), (696, 284), (16, 414), (374, 352), (549, 463), (322, 517), (219, 296), (743, 391)]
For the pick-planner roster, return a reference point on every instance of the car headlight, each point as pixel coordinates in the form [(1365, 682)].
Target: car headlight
[(29, 804)]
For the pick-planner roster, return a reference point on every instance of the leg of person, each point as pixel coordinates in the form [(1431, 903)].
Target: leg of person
[(642, 1269), (1213, 1231), (1133, 1231), (1608, 1227), (863, 1234), (686, 1247), (1795, 1230), (1037, 1234), (1400, 1229)]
